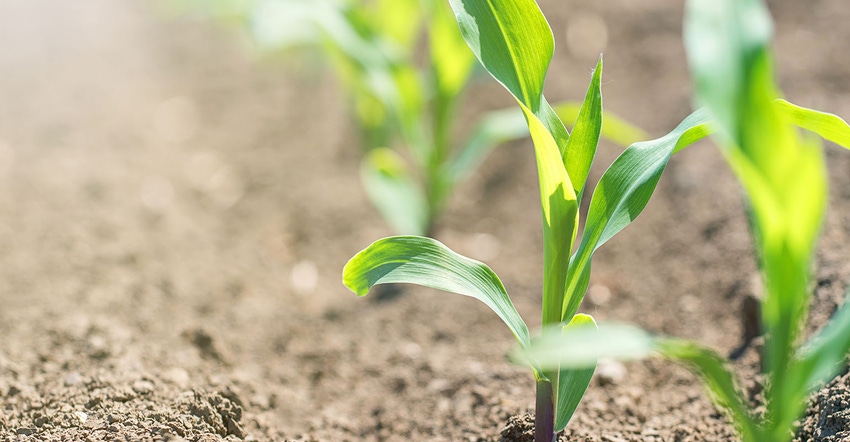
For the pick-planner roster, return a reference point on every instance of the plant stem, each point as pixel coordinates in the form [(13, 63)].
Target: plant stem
[(544, 417)]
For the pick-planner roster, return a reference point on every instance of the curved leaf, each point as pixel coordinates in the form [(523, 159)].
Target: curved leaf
[(621, 195), (820, 359), (512, 40), (721, 382), (723, 38), (429, 263), (829, 126)]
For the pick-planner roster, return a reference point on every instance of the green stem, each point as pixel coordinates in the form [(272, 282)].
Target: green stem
[(437, 186), (544, 417)]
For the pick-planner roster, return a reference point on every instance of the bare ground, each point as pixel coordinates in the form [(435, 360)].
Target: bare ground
[(175, 217)]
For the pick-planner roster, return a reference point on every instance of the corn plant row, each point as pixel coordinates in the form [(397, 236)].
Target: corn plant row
[(403, 103), (782, 173)]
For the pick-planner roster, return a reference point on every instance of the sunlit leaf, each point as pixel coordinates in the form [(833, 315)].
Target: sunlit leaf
[(513, 41), (581, 147), (828, 126), (427, 262), (728, 46), (622, 193), (823, 355), (721, 382), (722, 37), (583, 346), (397, 20)]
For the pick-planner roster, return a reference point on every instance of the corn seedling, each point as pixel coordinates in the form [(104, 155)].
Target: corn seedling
[(513, 42), (783, 176), (403, 97)]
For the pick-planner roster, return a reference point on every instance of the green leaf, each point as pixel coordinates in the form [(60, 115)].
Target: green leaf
[(429, 263), (723, 38), (394, 192), (622, 193), (728, 45), (822, 357), (512, 40), (581, 147), (560, 218), (721, 382), (572, 382), (828, 126)]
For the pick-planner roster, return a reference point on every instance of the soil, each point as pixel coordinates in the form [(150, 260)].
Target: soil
[(176, 213)]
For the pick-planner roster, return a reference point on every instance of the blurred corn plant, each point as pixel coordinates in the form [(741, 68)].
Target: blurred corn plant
[(404, 67), (783, 175)]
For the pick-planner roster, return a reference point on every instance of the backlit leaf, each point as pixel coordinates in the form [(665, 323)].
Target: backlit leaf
[(828, 126), (429, 263), (581, 147), (622, 193), (712, 368)]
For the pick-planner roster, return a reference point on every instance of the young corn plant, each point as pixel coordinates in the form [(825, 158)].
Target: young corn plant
[(403, 98), (514, 43), (783, 176)]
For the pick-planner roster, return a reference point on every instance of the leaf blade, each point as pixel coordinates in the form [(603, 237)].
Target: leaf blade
[(581, 147), (517, 55), (427, 262), (829, 126), (622, 193)]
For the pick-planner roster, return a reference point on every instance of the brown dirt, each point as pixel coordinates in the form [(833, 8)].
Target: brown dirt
[(175, 217)]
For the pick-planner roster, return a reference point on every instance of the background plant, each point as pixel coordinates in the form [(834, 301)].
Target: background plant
[(404, 67), (514, 43), (784, 179)]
